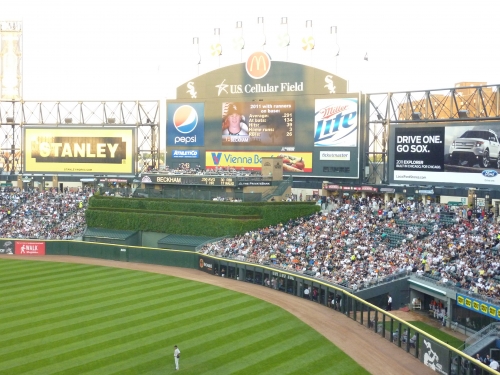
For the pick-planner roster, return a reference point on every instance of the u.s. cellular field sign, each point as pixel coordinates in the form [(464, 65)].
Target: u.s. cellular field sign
[(77, 150)]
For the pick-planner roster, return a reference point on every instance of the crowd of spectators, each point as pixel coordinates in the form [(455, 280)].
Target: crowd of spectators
[(48, 214), (349, 243)]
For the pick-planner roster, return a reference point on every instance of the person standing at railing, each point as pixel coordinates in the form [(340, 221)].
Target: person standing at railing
[(389, 302)]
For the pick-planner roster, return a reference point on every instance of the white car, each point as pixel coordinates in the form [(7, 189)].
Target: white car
[(476, 147)]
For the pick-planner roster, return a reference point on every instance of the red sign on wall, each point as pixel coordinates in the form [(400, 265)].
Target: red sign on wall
[(29, 248)]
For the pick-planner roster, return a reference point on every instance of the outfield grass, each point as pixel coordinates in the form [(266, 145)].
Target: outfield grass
[(438, 334), (432, 331), (59, 318)]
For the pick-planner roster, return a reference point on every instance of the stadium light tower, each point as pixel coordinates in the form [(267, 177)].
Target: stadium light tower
[(11, 60), (336, 48)]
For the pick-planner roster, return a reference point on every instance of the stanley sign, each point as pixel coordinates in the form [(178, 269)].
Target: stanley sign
[(70, 150)]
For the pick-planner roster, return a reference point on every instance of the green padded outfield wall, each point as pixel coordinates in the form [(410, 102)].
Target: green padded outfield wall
[(138, 254)]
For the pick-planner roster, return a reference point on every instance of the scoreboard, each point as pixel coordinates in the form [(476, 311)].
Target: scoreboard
[(232, 118), (190, 180)]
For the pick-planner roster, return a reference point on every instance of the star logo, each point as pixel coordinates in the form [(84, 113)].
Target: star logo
[(222, 87)]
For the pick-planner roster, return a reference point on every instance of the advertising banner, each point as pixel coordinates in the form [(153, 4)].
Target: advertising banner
[(465, 153), (296, 162), (206, 265), (78, 150), (185, 124), (478, 306), (29, 248), (419, 149), (185, 154), (336, 122)]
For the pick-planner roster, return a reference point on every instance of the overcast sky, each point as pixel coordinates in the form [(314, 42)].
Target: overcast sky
[(142, 50)]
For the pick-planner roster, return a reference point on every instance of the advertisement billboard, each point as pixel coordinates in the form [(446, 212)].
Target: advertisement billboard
[(29, 248), (185, 124), (79, 150), (479, 306), (336, 122), (467, 153), (296, 162)]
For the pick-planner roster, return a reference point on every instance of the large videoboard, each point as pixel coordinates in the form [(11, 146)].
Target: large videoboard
[(269, 123), (75, 150), (466, 154), (230, 119)]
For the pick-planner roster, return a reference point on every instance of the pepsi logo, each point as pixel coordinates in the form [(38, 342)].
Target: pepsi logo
[(185, 119), (490, 173), (258, 64)]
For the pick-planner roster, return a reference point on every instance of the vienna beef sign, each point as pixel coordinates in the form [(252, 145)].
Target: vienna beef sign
[(74, 150), (29, 248)]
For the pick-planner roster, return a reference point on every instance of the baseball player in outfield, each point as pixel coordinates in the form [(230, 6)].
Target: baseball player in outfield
[(177, 355)]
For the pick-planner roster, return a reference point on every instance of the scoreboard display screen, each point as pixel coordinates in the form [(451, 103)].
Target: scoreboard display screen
[(259, 123)]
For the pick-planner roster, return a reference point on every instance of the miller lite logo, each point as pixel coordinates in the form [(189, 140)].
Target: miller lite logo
[(258, 65), (336, 123)]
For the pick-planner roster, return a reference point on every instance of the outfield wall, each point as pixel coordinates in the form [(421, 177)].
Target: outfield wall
[(434, 353)]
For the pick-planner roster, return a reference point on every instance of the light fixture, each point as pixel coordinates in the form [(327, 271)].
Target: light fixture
[(68, 120), (284, 20), (10, 119), (239, 24), (463, 113), (111, 120), (416, 116)]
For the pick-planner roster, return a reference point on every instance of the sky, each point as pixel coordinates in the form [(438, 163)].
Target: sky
[(143, 50)]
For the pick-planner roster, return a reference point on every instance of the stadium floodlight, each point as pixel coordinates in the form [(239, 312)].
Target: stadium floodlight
[(463, 113), (416, 116)]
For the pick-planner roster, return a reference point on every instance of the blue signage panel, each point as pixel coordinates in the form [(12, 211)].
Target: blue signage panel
[(191, 154), (185, 124), (478, 306)]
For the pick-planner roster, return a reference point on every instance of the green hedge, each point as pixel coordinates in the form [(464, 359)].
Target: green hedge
[(178, 213), (190, 217)]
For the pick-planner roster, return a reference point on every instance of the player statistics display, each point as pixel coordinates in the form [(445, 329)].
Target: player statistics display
[(269, 123)]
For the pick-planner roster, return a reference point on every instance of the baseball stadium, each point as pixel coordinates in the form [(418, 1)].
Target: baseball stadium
[(266, 220)]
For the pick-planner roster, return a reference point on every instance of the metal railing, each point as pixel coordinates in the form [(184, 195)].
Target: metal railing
[(490, 330)]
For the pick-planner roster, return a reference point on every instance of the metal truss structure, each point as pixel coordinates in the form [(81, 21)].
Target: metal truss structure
[(458, 104), (144, 115)]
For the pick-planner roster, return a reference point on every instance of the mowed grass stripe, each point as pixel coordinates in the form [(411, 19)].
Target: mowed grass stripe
[(269, 353), (80, 285), (69, 340), (54, 273), (298, 360), (263, 339), (133, 350), (65, 335), (138, 336), (97, 301), (118, 345)]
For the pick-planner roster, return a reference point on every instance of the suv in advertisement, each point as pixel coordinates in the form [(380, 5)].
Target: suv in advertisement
[(476, 147)]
